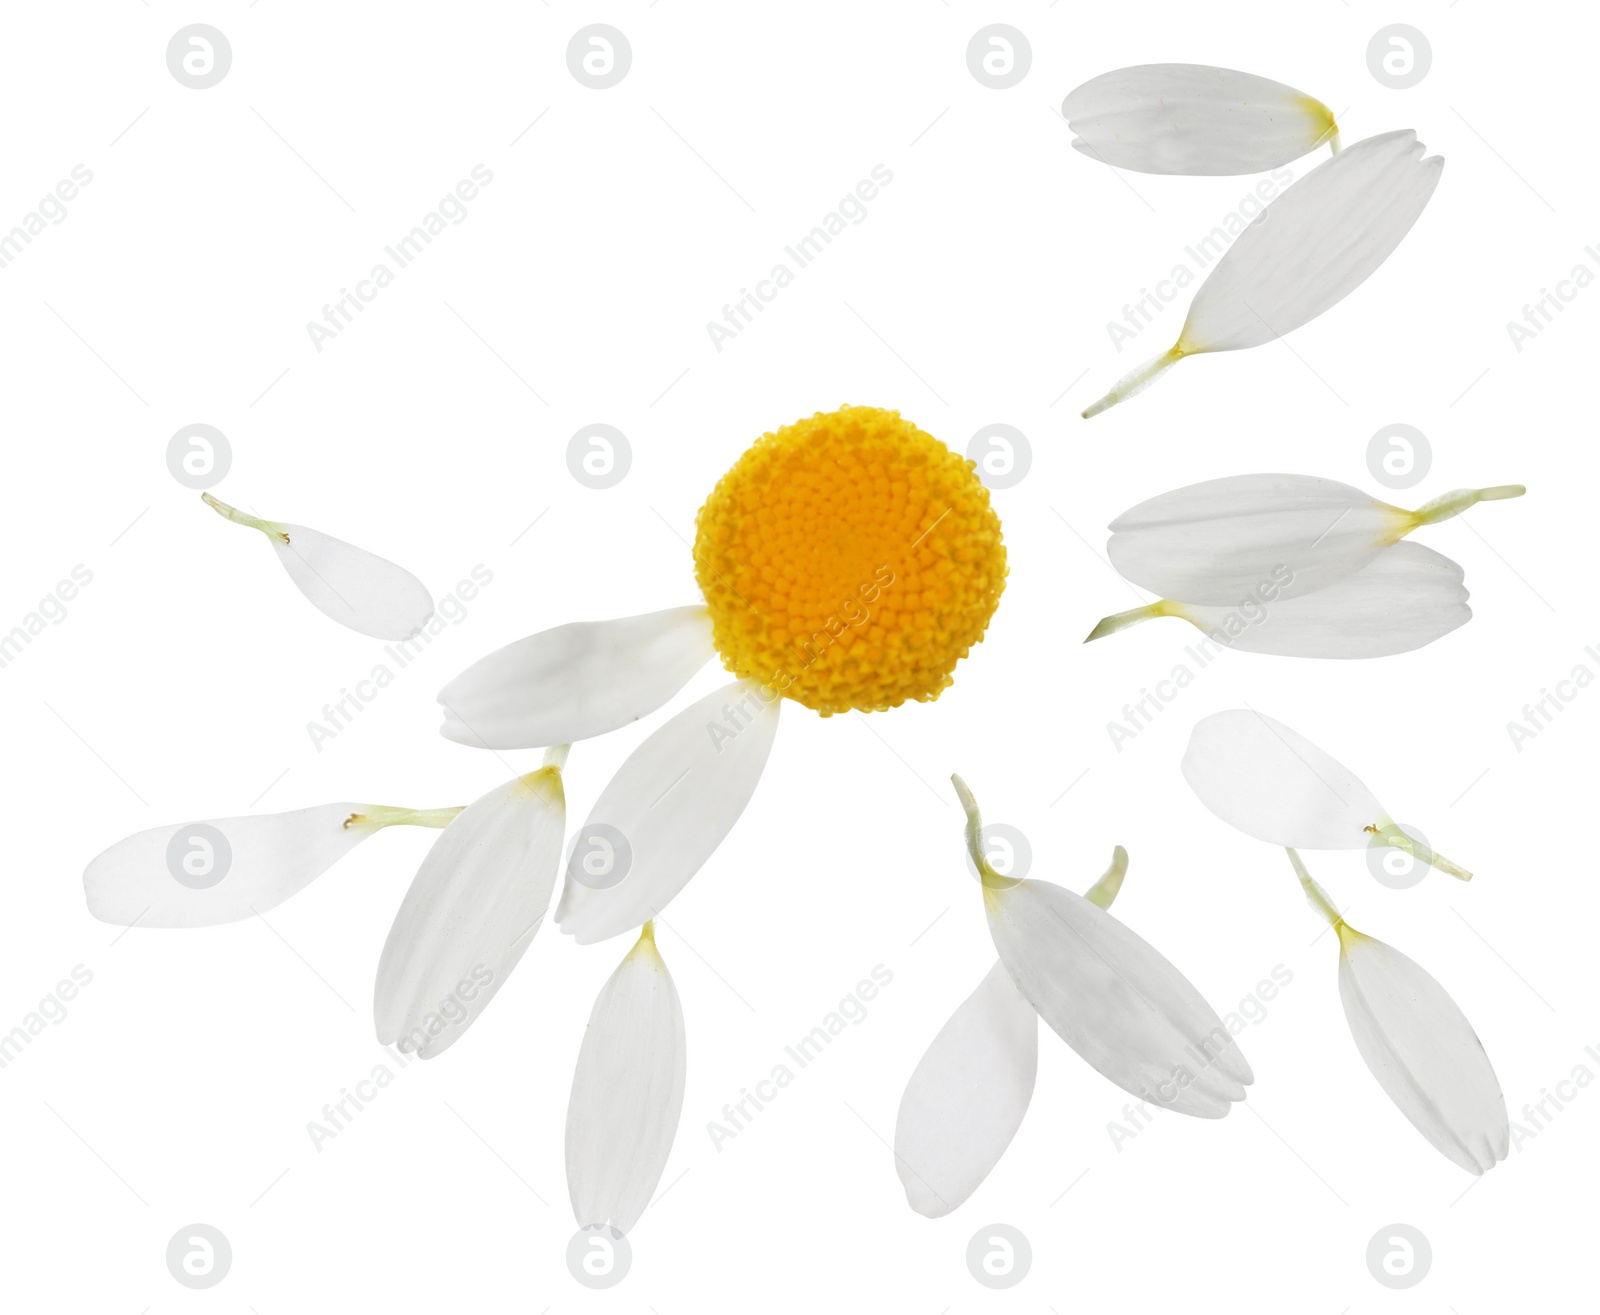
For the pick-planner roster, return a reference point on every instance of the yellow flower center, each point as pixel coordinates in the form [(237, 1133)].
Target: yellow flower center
[(849, 561)]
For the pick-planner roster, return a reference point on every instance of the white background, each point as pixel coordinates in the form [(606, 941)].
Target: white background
[(177, 290)]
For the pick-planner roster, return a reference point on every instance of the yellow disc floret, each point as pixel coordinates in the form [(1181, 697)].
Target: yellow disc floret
[(849, 561)]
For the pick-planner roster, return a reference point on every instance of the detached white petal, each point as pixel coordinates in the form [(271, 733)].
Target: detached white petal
[(1194, 119), (1418, 1044), (1407, 597), (967, 1096), (1224, 541), (201, 874), (576, 681), (1308, 250), (1109, 994), (672, 802), (470, 913), (966, 1099), (355, 587), (1271, 783), (627, 1092)]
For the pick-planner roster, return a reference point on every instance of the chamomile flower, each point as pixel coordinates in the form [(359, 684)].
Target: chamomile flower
[(353, 586), (1306, 252), (847, 562), (1195, 119), (1417, 1043), (1293, 565)]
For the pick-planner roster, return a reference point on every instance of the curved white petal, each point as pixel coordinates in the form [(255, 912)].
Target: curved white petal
[(1194, 119), (674, 799), (967, 1096), (1314, 245), (576, 681), (1271, 783), (1116, 1000), (472, 909), (258, 863), (1408, 596), (627, 1092), (1224, 540), (1423, 1052), (355, 587)]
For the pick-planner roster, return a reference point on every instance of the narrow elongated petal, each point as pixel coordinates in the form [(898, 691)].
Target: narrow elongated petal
[(356, 588), (1194, 119), (576, 681), (1116, 1000), (1223, 540), (672, 802), (1272, 783), (627, 1092), (1423, 1052), (967, 1096), (1418, 1044), (200, 874), (470, 913), (1407, 597), (1308, 250)]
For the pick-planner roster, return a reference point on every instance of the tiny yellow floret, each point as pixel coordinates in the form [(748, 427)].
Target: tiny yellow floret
[(849, 561)]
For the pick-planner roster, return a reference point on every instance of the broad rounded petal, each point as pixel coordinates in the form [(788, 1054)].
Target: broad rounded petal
[(355, 587), (1116, 1000), (627, 1092), (576, 681), (1271, 783), (470, 913), (1423, 1052), (1313, 245), (1224, 540), (967, 1096), (1194, 119), (1407, 597), (672, 802), (200, 874)]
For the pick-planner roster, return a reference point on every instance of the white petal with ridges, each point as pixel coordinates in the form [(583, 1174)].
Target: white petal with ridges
[(967, 1096), (1194, 119), (267, 859), (674, 799), (1223, 539), (627, 1091), (576, 681), (1423, 1051), (1407, 597), (471, 911), (1116, 1000)]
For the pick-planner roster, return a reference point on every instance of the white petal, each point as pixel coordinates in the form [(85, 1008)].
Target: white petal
[(1314, 245), (627, 1092), (258, 863), (676, 797), (1423, 1052), (1271, 783), (353, 586), (1116, 1000), (576, 681), (1193, 119), (1407, 597), (1224, 539), (966, 1099), (472, 909)]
